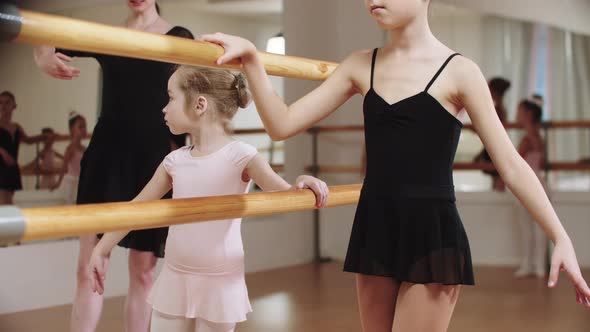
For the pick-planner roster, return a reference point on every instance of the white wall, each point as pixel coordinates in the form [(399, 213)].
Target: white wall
[(566, 14)]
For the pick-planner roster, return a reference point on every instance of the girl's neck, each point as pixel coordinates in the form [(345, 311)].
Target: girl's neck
[(142, 21), (532, 129), (6, 119), (415, 36), (209, 138)]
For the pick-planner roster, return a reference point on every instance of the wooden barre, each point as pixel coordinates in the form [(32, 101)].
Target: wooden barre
[(30, 27), (355, 128), (547, 125), (64, 221), (249, 131), (565, 166)]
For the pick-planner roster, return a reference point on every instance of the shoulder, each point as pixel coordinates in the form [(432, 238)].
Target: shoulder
[(71, 148), (467, 79), (173, 157), (180, 31), (465, 70), (18, 129), (358, 59), (243, 147), (240, 153), (356, 66), (175, 154)]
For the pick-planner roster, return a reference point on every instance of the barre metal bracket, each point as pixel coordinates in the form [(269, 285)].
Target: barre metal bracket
[(10, 22), (12, 224)]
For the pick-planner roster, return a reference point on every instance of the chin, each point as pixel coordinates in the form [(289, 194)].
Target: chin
[(136, 8), (176, 131), (384, 24), (391, 22)]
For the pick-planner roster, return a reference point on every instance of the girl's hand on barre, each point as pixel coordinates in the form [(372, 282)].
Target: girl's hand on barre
[(235, 47), (319, 188)]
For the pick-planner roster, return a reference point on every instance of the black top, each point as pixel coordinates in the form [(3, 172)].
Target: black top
[(10, 143), (411, 142), (10, 175)]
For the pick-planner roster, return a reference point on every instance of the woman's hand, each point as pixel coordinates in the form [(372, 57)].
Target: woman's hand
[(52, 63)]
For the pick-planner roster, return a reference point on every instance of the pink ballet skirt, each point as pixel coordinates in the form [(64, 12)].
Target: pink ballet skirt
[(221, 298)]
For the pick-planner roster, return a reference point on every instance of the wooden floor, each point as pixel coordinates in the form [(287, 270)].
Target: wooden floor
[(322, 298)]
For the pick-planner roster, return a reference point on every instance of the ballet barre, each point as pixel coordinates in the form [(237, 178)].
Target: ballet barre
[(546, 125), (30, 27), (63, 221)]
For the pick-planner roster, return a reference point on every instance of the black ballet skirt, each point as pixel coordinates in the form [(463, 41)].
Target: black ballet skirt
[(10, 179), (406, 225), (130, 139)]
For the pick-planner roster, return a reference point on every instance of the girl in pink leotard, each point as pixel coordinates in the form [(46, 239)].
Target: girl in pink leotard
[(70, 172), (202, 286)]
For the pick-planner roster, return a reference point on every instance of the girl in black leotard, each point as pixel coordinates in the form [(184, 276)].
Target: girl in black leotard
[(128, 142), (408, 247), (11, 134)]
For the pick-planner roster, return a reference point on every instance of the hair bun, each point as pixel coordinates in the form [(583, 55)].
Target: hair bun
[(73, 114), (241, 86)]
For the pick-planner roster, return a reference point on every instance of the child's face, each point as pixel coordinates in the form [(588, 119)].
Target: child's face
[(175, 112), (6, 105), (78, 130), (49, 138), (393, 14)]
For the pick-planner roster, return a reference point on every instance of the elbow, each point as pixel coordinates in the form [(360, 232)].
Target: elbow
[(277, 137), (278, 134)]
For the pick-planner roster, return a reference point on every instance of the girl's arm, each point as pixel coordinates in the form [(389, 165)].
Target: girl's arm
[(280, 120), (473, 93), (158, 186), (64, 169), (30, 139), (263, 175)]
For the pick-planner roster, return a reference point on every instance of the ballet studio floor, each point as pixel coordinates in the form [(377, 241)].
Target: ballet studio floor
[(318, 298)]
